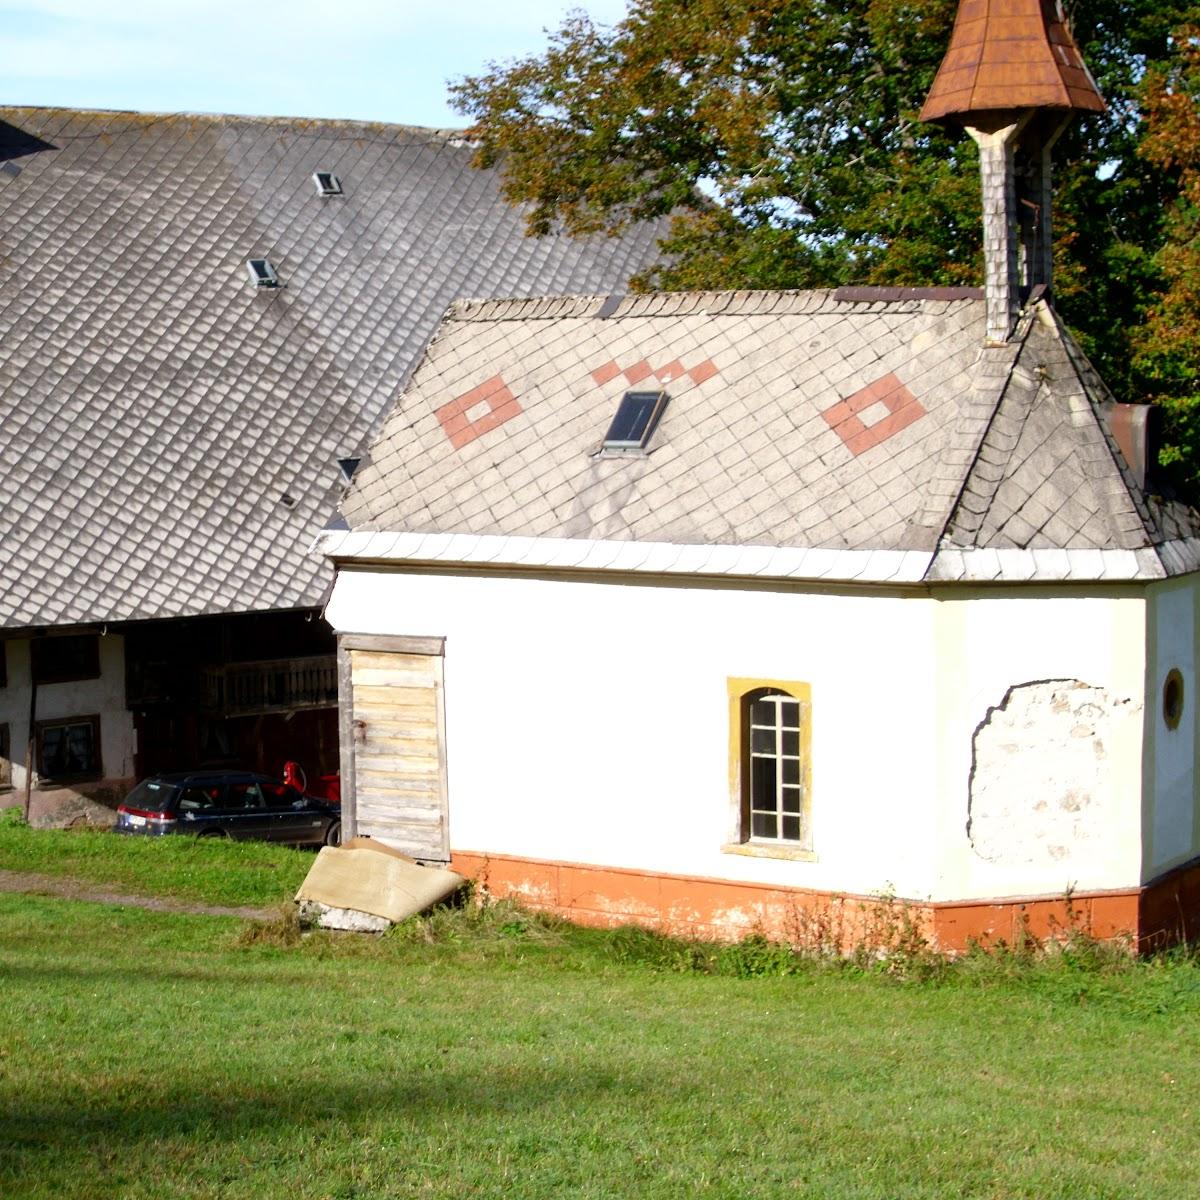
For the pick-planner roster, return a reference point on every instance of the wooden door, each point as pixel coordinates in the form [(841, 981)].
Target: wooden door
[(393, 743)]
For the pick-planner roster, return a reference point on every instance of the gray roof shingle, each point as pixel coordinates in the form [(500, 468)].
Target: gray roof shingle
[(171, 432), (859, 420)]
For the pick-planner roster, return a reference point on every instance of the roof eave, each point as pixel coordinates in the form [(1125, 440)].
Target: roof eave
[(798, 564)]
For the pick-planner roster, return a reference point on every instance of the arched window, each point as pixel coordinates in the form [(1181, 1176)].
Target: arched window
[(774, 773)]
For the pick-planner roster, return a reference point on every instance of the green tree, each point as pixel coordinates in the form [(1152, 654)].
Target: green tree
[(781, 140), (1167, 346)]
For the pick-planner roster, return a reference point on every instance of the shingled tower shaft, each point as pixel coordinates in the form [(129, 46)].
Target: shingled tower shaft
[(1013, 78)]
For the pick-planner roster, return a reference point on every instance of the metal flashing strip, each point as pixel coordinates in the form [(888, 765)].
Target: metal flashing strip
[(654, 558), (1053, 565), (948, 565)]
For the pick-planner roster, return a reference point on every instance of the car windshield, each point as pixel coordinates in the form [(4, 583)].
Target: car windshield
[(151, 795)]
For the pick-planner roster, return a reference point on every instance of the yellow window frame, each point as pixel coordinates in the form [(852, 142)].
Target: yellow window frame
[(739, 690)]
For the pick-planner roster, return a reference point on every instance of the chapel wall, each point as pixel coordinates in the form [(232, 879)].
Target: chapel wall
[(589, 722), (1040, 748), (1172, 722)]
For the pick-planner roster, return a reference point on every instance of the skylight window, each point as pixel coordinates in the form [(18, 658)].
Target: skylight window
[(636, 418), (262, 273), (328, 184)]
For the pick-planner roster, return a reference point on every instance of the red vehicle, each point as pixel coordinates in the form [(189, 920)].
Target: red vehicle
[(327, 787)]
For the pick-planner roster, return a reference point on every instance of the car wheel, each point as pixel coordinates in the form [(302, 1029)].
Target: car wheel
[(214, 833), (333, 835)]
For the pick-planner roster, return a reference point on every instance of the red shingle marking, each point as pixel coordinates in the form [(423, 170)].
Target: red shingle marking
[(903, 408), (643, 370), (603, 374), (460, 429)]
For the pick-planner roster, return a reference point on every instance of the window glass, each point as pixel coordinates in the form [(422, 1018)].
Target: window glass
[(200, 799), (763, 824), (775, 779), (762, 740), (151, 795), (69, 749), (279, 795), (636, 417), (245, 795)]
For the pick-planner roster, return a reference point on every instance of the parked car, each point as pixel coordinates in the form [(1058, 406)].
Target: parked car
[(236, 804)]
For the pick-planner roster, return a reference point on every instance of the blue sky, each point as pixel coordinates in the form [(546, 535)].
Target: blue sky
[(384, 60)]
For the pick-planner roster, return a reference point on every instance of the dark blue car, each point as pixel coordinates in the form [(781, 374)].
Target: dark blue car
[(236, 804)]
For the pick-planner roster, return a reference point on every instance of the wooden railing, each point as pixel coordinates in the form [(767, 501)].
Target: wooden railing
[(273, 685)]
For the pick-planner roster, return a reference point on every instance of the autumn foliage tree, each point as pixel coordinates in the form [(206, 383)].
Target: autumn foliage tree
[(779, 142), (1167, 346)]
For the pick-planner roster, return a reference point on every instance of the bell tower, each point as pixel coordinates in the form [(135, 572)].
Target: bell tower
[(1012, 78)]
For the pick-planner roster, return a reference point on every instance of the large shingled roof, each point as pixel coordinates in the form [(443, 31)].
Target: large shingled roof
[(854, 434), (171, 432)]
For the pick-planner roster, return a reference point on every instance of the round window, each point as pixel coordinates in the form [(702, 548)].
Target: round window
[(1173, 698)]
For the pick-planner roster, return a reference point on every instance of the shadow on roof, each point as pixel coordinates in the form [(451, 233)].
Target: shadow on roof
[(16, 143)]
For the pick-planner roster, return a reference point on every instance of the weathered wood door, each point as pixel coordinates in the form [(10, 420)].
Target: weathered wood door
[(393, 742)]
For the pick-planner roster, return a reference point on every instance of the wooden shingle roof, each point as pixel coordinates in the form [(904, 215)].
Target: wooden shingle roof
[(1008, 55)]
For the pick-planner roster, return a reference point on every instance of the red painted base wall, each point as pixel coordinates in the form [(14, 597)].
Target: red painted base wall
[(1157, 914)]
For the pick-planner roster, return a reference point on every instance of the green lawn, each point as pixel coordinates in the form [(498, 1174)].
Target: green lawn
[(207, 870), (152, 1055)]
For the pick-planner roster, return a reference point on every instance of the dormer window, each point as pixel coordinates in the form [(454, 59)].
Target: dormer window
[(262, 272), (637, 415), (328, 184)]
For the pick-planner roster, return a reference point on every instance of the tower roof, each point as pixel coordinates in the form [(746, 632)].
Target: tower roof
[(1006, 55)]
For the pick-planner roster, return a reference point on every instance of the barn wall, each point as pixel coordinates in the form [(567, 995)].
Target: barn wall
[(104, 696), (589, 723)]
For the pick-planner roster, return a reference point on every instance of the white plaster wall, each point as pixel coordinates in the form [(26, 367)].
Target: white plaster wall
[(991, 643), (1172, 751), (83, 697), (588, 722)]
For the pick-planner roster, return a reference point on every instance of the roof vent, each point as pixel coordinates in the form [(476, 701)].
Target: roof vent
[(637, 415), (328, 184), (348, 466), (262, 273)]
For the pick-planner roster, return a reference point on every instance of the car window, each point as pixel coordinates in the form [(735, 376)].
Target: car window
[(246, 795), (199, 799), (151, 795), (279, 795)]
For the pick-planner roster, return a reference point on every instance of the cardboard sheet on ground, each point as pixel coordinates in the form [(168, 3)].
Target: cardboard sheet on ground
[(376, 881)]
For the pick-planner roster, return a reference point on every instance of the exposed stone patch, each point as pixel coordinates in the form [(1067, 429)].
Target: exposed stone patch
[(1040, 789)]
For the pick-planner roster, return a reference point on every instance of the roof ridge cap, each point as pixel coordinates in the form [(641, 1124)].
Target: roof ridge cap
[(743, 302), (1090, 378), (258, 118), (965, 434)]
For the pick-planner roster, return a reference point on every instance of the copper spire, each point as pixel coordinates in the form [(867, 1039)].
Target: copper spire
[(1009, 55)]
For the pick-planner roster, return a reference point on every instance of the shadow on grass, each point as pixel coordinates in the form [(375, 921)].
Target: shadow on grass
[(98, 1131)]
